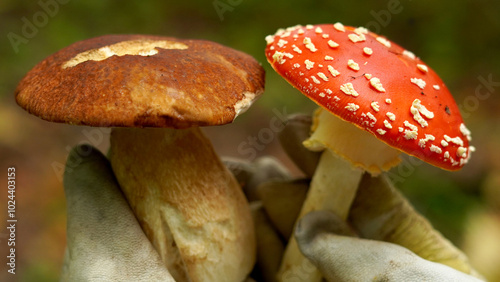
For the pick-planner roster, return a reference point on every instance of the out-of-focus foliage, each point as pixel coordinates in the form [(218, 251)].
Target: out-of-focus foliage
[(459, 39)]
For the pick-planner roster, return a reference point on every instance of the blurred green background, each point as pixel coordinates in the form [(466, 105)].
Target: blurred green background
[(459, 39)]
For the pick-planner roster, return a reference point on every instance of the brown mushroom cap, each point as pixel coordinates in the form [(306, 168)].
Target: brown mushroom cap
[(142, 81)]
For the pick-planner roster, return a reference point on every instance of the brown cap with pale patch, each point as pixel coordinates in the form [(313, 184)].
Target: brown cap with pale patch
[(375, 84), (142, 81)]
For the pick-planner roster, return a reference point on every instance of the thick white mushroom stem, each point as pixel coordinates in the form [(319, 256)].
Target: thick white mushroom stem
[(188, 204), (350, 152)]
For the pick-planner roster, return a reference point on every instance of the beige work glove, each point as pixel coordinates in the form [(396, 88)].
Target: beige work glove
[(320, 236), (104, 239), (379, 212)]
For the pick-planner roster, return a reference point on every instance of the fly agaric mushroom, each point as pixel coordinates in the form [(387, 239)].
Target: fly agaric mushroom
[(364, 81), (187, 202)]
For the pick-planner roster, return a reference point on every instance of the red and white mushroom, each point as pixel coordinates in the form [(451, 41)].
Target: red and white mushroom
[(360, 78)]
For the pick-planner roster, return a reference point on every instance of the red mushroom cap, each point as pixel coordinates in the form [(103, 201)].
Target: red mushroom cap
[(375, 84)]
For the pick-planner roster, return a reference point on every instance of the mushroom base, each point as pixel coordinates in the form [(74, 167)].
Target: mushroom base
[(333, 188), (350, 151), (188, 204)]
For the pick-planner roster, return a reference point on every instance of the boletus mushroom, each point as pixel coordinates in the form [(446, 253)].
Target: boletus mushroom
[(155, 92), (376, 100)]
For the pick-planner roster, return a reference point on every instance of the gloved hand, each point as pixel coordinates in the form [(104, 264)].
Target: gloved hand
[(320, 237), (104, 239), (378, 212)]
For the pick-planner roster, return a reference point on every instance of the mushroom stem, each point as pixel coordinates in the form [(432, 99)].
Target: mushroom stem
[(333, 187), (188, 204), (349, 152)]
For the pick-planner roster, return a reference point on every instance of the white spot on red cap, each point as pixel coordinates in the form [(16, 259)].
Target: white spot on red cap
[(333, 71), (322, 76), (461, 152), (410, 134), (375, 106), (309, 64), (296, 49), (409, 54), (348, 89), (309, 45), (269, 39), (318, 30), (416, 109), (353, 65), (422, 68), (391, 116), (410, 126), (436, 87), (381, 131), (466, 132), (388, 101), (456, 140), (423, 141), (333, 44), (372, 117), (418, 82), (315, 79), (361, 30), (368, 51), (356, 37), (384, 41), (435, 149), (352, 107), (375, 82), (387, 124), (279, 57), (281, 43), (339, 27), (328, 58)]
